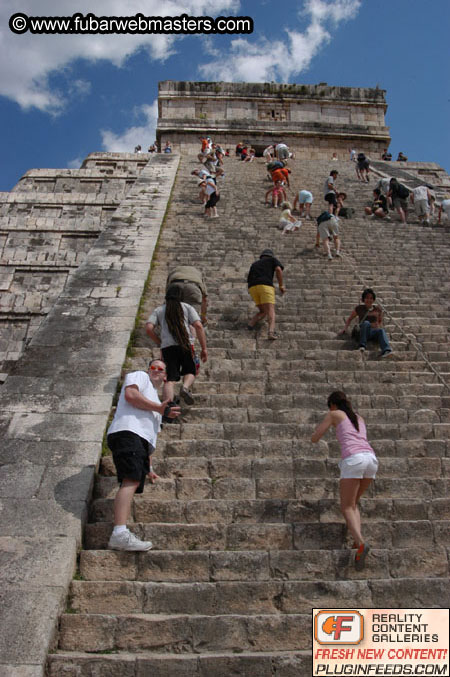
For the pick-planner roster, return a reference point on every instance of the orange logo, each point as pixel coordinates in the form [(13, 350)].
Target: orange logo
[(343, 626)]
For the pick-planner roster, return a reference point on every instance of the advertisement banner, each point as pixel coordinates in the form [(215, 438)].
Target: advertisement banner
[(380, 642)]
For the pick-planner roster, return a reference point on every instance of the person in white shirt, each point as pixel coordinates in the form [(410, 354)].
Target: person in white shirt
[(444, 209), (420, 198), (132, 439), (282, 152), (175, 319)]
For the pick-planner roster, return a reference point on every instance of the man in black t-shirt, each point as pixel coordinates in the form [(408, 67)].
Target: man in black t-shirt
[(262, 290)]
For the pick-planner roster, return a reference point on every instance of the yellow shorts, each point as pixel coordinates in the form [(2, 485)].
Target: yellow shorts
[(262, 293)]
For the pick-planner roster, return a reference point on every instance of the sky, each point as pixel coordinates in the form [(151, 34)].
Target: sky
[(65, 96)]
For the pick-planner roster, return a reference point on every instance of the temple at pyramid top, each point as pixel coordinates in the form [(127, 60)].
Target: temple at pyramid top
[(313, 119)]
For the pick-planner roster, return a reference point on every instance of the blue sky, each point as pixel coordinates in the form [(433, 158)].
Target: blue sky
[(62, 97)]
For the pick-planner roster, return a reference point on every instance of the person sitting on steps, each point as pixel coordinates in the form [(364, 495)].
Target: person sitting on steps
[(379, 208), (370, 318)]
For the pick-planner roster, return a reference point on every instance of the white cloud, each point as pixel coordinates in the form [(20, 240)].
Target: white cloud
[(142, 135), (28, 61), (75, 163), (266, 61)]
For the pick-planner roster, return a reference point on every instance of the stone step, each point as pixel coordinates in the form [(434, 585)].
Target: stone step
[(251, 536), (237, 509), (279, 467), (294, 414), (245, 598), (267, 432), (322, 388), (304, 488), (261, 565), (220, 664), (211, 448), (185, 633), (396, 400)]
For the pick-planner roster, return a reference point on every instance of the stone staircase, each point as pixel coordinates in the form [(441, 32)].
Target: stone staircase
[(245, 522)]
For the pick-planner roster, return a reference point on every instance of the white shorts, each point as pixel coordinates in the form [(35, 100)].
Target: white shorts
[(422, 207), (305, 197), (358, 466)]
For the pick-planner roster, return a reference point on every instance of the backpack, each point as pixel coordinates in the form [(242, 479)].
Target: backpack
[(402, 191), (347, 212), (325, 216)]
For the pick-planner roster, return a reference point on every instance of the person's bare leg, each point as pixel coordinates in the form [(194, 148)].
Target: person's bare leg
[(188, 380), (326, 245), (348, 490), (168, 390), (402, 215), (270, 312), (260, 315), (123, 500)]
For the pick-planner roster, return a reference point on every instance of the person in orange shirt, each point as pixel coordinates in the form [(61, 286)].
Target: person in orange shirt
[(281, 175)]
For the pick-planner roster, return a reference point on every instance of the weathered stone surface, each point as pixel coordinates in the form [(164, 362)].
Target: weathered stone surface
[(87, 633), (24, 632), (20, 670), (25, 562), (81, 665)]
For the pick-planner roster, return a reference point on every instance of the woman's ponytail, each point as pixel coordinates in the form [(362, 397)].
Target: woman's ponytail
[(339, 399)]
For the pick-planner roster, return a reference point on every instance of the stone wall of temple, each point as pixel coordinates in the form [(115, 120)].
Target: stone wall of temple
[(314, 119), (48, 224)]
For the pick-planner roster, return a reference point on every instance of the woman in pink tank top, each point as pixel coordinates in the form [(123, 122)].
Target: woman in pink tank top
[(358, 464)]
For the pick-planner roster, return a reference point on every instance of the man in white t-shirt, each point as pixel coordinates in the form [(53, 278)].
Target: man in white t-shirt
[(420, 197), (282, 151), (132, 439)]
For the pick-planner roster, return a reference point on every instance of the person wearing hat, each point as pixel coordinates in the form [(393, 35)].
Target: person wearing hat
[(193, 288), (262, 290)]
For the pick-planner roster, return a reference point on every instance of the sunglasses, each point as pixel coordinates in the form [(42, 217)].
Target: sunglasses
[(153, 368)]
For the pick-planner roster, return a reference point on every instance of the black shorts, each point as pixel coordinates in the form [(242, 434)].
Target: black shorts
[(131, 456), (331, 198), (213, 200), (178, 361)]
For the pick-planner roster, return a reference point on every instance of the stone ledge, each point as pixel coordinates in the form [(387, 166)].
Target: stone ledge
[(49, 458)]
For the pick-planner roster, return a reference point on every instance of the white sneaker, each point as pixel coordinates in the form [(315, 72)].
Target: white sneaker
[(338, 254), (330, 258), (128, 541)]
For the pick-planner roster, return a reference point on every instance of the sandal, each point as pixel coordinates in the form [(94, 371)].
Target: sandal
[(272, 336), (360, 557)]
